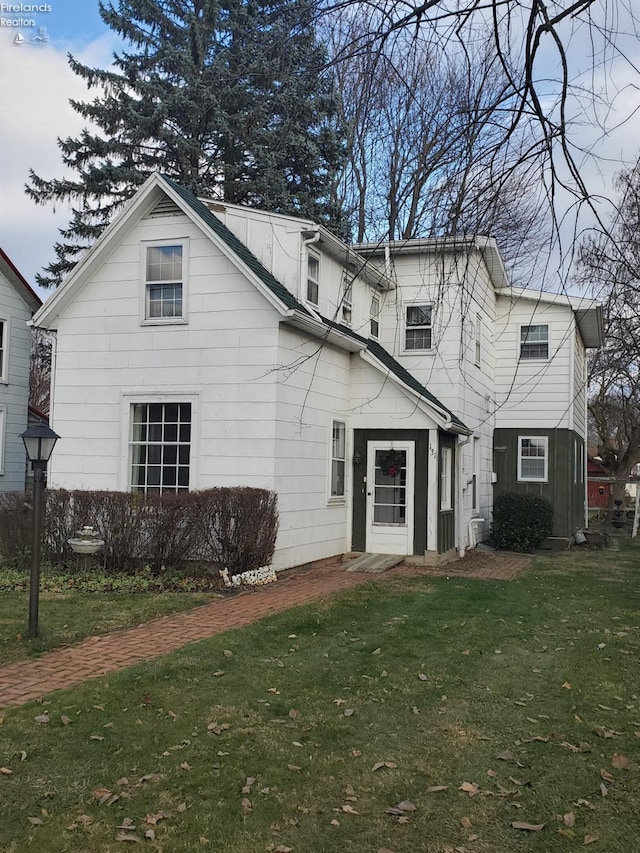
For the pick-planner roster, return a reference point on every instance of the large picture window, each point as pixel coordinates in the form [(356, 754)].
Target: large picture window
[(164, 283), (534, 342), (160, 447), (418, 327), (533, 458), (338, 458)]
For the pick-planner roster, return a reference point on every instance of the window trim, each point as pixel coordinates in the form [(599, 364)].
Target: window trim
[(346, 301), (338, 497), (545, 441), (408, 326), (158, 395), (446, 479), (4, 350), (374, 316), (311, 281), (522, 344), (145, 245)]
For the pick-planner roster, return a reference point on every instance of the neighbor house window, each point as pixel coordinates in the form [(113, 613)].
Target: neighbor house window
[(313, 278), (374, 326), (534, 342), (160, 447), (533, 458), (478, 339), (446, 478), (418, 327), (164, 283), (3, 349), (338, 458)]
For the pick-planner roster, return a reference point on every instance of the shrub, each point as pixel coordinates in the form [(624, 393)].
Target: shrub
[(521, 522), (233, 528)]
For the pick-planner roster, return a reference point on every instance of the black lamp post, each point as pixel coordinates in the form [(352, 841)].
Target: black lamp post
[(39, 442)]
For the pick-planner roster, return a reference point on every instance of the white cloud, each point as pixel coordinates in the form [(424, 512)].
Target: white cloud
[(37, 85)]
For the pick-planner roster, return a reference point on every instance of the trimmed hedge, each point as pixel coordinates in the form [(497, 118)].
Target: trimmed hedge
[(521, 522), (233, 528)]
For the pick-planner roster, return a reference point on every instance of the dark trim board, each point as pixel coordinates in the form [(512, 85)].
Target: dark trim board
[(567, 497)]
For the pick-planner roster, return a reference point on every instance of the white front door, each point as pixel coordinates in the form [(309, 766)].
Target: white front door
[(390, 469)]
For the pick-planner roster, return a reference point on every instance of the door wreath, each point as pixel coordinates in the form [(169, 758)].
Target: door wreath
[(391, 461)]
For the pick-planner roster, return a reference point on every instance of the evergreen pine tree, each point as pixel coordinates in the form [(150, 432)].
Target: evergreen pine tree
[(228, 97)]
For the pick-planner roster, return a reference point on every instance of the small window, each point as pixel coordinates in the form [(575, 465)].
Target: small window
[(533, 458), (446, 478), (164, 284), (338, 458), (478, 339), (534, 342), (346, 305), (3, 349), (475, 481), (375, 317), (160, 447), (418, 327), (313, 278)]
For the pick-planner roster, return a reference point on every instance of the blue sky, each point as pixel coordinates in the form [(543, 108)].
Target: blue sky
[(35, 110)]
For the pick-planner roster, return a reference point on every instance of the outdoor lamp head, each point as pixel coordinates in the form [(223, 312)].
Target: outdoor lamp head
[(39, 442)]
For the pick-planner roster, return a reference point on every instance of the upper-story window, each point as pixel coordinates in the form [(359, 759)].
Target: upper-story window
[(313, 278), (3, 349), (346, 304), (534, 342), (478, 339), (418, 327), (164, 275), (374, 324)]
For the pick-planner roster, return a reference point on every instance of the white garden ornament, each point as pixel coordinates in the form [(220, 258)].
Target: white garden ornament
[(254, 577)]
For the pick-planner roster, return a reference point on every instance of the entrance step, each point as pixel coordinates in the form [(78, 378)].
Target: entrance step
[(374, 563)]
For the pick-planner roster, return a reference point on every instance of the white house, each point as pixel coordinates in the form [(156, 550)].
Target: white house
[(201, 344), (18, 303)]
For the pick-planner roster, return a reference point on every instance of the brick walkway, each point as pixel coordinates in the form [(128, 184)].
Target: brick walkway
[(26, 680)]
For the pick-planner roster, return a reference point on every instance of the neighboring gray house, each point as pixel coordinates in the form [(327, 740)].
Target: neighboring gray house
[(382, 391), (18, 303)]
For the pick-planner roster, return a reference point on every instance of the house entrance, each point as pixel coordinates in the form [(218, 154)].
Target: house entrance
[(390, 494)]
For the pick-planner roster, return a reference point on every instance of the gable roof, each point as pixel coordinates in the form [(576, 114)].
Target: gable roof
[(16, 278), (400, 373)]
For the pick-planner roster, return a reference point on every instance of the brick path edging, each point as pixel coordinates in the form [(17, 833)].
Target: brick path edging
[(94, 657)]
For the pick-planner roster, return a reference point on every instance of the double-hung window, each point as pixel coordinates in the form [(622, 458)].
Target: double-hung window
[(478, 339), (160, 447), (346, 302), (446, 478), (164, 269), (374, 325), (534, 342), (313, 278), (338, 458), (418, 327), (533, 458)]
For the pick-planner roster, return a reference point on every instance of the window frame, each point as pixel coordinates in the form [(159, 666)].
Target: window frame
[(417, 327), (478, 341), (522, 356), (374, 316), (544, 439), (178, 320), (346, 301), (4, 350), (313, 282), (334, 459), (446, 479)]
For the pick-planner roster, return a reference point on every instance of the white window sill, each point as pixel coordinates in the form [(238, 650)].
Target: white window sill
[(164, 321)]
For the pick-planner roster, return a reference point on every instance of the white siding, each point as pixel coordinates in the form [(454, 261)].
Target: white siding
[(14, 387), (580, 388), (537, 393)]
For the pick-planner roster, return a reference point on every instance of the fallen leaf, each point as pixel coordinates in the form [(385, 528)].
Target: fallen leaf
[(227, 653), (334, 822), (406, 806), (127, 836), (150, 834), (589, 839), (65, 720), (42, 718), (293, 713), (469, 788), (218, 673), (569, 819), (376, 651), (182, 807), (282, 849), (423, 677), (23, 755), (606, 776), (567, 685), (36, 821), (529, 827), (246, 805), (619, 761), (347, 809), (390, 765), (492, 774), (603, 789), (5, 771), (185, 766), (294, 768), (465, 822), (434, 789), (122, 781), (96, 737), (506, 756), (349, 712)]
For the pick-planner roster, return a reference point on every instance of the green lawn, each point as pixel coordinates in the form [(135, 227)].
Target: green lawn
[(476, 705)]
